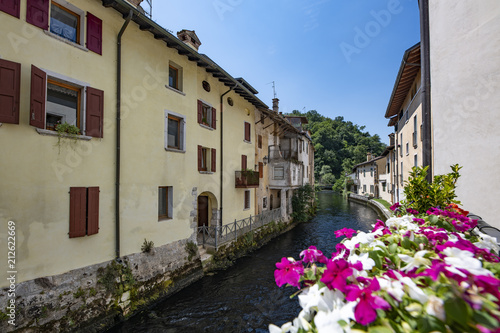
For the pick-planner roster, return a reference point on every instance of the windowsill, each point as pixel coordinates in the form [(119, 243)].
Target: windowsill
[(175, 150), (54, 133), (175, 90), (64, 40), (246, 208), (207, 127), (247, 141), (163, 219), (207, 172)]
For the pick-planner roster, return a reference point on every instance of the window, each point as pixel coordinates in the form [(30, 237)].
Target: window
[(259, 141), (407, 148), (371, 172), (173, 77), (278, 173), (66, 21), (207, 159), (247, 132), (243, 162), (414, 136), (55, 100), (371, 189), (10, 7), (383, 187), (10, 87), (401, 144), (264, 202), (293, 174), (83, 211), (364, 172), (175, 127), (247, 199), (415, 160), (401, 174), (206, 115), (364, 188), (165, 202)]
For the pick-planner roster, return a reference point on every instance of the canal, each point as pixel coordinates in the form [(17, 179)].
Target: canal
[(245, 298)]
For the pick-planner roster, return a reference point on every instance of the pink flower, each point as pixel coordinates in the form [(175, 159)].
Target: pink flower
[(345, 232), (395, 206), (365, 312), (411, 211), (288, 272), (337, 272), (313, 255)]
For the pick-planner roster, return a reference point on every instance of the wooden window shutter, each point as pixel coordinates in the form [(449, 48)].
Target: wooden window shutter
[(200, 157), (261, 170), (95, 112), (200, 112), (247, 131), (92, 210), (94, 33), (259, 142), (243, 162), (38, 95), (37, 13), (10, 86), (247, 199), (214, 118), (214, 160), (77, 211), (10, 7)]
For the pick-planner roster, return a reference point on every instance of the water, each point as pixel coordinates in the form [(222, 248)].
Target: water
[(245, 298)]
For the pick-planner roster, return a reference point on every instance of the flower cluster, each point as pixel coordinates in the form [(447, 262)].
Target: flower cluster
[(431, 273)]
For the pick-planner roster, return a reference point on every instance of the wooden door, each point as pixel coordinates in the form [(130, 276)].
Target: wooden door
[(202, 211)]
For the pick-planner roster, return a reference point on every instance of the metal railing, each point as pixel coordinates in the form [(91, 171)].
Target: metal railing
[(218, 235), (246, 179)]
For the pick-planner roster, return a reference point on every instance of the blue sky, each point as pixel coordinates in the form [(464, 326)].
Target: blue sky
[(338, 57)]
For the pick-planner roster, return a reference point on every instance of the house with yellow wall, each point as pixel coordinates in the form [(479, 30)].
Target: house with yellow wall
[(118, 141)]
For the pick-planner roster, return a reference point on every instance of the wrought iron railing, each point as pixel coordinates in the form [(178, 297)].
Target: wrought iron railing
[(246, 179), (216, 236)]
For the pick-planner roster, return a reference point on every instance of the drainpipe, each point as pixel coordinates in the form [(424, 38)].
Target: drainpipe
[(118, 120), (426, 87), (222, 149)]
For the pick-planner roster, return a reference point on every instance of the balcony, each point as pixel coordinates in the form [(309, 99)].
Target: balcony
[(247, 179), (275, 153)]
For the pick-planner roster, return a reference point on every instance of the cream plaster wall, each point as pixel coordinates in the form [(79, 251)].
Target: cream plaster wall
[(465, 81)]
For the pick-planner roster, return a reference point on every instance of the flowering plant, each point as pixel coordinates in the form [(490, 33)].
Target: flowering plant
[(431, 273)]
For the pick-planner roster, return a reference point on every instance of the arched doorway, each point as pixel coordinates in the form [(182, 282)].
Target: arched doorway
[(208, 213)]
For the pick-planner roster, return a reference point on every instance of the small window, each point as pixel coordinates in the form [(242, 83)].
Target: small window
[(247, 132), (371, 172), (278, 173), (206, 115), (401, 174), (264, 202), (206, 86), (174, 131), (364, 172), (247, 199), (175, 76), (165, 206), (372, 189), (383, 187), (407, 148), (230, 101), (364, 188), (63, 105), (415, 160), (64, 22), (259, 141), (206, 159)]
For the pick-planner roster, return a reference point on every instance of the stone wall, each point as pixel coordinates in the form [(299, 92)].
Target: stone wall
[(95, 297)]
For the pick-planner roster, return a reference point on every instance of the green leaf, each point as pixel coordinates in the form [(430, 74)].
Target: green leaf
[(376, 257), (486, 320), (433, 219), (456, 311), (406, 243), (393, 248), (379, 329), (430, 324)]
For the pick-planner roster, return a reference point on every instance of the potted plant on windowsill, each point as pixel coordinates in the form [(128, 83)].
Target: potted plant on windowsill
[(66, 130)]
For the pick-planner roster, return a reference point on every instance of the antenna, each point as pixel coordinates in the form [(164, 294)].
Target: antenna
[(150, 12), (274, 90)]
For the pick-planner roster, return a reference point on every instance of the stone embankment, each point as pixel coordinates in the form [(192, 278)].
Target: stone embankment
[(383, 212)]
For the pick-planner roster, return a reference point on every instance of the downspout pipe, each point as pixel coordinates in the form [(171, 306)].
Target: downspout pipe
[(118, 133), (222, 149), (426, 87)]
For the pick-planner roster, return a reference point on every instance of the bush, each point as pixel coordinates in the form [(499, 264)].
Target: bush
[(303, 203)]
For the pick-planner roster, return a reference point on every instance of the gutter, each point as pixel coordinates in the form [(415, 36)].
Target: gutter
[(426, 87), (118, 133)]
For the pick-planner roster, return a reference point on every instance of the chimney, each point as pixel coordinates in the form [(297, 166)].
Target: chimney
[(368, 156), (275, 105), (189, 38)]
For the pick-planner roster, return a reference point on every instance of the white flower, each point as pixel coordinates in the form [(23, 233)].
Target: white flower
[(417, 260), (365, 260), (403, 223), (328, 321), (392, 287), (414, 291), (319, 299), (435, 307), (457, 258), (487, 242), (287, 327)]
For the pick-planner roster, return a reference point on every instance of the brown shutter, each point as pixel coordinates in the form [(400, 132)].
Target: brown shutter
[(93, 211), (243, 162), (10, 7), (261, 170), (247, 131), (77, 211), (200, 157), (247, 199), (200, 112), (95, 112), (260, 141), (10, 85), (214, 118), (38, 95), (37, 13), (214, 160), (94, 33)]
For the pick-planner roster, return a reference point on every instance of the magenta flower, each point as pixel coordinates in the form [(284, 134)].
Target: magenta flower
[(395, 206), (366, 310), (288, 272), (411, 211), (312, 254), (345, 232), (341, 247), (337, 272), (419, 221)]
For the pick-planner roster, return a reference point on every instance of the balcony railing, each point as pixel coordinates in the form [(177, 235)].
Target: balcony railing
[(275, 153), (247, 179)]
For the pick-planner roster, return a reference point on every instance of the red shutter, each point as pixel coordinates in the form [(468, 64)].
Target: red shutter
[(93, 211), (94, 33), (10, 85), (243, 162), (214, 118), (200, 112), (77, 211), (10, 7), (200, 157), (37, 13), (38, 94), (247, 131), (95, 112), (214, 160), (261, 170)]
